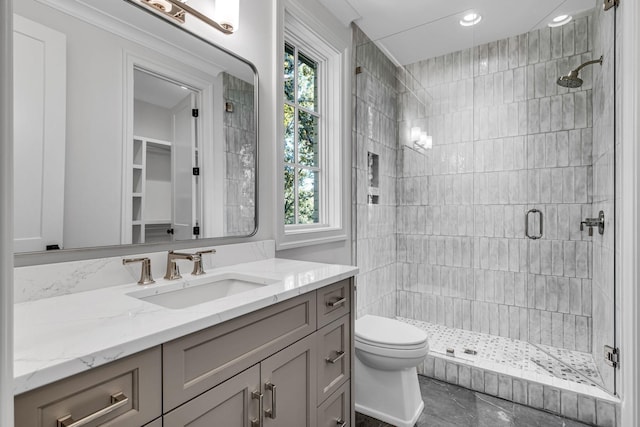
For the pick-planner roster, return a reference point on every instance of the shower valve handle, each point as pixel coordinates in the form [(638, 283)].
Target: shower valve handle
[(594, 222)]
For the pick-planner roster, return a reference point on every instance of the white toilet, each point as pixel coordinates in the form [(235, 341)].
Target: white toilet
[(387, 353)]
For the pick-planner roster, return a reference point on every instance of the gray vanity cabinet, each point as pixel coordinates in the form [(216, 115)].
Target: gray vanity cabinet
[(286, 365)]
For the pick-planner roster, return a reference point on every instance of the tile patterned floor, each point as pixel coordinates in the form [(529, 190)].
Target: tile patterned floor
[(449, 405), (572, 366)]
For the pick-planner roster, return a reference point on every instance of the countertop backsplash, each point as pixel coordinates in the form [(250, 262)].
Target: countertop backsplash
[(50, 280)]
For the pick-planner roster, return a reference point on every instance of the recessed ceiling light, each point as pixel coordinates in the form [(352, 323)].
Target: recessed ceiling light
[(470, 19), (560, 20)]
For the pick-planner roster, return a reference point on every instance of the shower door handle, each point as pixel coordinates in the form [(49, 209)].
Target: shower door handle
[(526, 224)]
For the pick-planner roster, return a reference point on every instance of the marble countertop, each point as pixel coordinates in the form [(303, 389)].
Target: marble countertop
[(64, 335)]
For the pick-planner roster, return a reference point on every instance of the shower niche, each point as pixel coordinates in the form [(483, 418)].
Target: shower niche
[(373, 176)]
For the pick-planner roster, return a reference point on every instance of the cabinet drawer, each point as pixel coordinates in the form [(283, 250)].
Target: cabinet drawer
[(137, 378), (334, 301), (334, 361), (336, 410), (200, 361)]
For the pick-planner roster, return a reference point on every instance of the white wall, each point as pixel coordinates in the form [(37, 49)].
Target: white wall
[(152, 121), (320, 20), (6, 214), (629, 206)]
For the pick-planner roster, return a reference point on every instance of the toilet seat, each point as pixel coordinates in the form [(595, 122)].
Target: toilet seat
[(388, 333), (390, 346)]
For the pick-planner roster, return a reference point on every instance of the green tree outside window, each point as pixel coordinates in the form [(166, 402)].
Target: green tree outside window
[(301, 138)]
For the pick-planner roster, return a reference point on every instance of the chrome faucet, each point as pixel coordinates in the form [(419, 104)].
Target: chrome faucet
[(173, 272), (145, 273)]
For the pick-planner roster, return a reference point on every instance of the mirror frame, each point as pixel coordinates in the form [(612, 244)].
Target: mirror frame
[(24, 259)]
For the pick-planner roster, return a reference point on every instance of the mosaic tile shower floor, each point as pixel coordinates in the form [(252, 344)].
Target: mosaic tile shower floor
[(496, 353)]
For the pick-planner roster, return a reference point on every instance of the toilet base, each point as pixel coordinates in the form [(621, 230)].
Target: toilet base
[(390, 396)]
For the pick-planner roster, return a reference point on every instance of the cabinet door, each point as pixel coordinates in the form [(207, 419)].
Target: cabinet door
[(289, 385), (231, 404)]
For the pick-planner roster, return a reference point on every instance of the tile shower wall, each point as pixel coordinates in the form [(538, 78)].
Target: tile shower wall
[(375, 132), (506, 139), (239, 128)]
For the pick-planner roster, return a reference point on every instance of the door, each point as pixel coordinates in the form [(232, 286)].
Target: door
[(289, 385), (184, 189), (234, 403), (39, 134)]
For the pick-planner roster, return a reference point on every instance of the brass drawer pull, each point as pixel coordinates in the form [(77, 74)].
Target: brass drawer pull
[(339, 355), (271, 413), (341, 423), (336, 303), (118, 400)]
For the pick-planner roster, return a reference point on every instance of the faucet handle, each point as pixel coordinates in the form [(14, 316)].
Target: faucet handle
[(145, 273), (197, 265), (173, 271), (209, 251)]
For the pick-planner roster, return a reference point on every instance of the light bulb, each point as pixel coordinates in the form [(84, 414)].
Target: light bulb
[(227, 14)]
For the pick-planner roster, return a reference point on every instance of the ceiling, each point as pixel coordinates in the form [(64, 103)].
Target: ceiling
[(412, 30), (157, 91)]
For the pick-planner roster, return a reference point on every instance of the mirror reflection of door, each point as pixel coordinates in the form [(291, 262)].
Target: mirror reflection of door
[(164, 191), (39, 134)]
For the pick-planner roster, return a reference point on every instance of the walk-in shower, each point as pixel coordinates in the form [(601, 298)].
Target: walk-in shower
[(483, 240)]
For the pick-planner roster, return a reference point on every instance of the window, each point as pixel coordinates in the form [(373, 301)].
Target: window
[(302, 168), (314, 160)]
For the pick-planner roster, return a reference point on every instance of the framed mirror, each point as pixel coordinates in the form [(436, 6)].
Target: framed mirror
[(129, 130)]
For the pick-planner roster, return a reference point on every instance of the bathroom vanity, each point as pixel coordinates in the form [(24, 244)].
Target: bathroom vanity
[(277, 355)]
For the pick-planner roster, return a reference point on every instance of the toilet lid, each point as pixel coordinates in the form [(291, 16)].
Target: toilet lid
[(381, 331)]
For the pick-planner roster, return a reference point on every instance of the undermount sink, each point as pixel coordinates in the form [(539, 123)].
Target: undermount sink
[(193, 291)]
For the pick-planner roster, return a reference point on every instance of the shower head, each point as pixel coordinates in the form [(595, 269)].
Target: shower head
[(572, 80)]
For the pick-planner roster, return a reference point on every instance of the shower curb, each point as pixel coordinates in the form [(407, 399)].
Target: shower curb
[(556, 400)]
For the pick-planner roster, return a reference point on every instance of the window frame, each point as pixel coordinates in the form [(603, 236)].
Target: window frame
[(333, 147), (321, 145)]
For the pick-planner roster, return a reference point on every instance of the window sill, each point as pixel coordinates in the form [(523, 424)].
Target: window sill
[(309, 237)]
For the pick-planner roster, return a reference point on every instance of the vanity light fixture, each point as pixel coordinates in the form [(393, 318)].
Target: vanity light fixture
[(560, 20), (415, 134), (168, 8), (225, 19), (426, 141), (227, 14), (470, 19), (420, 139)]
